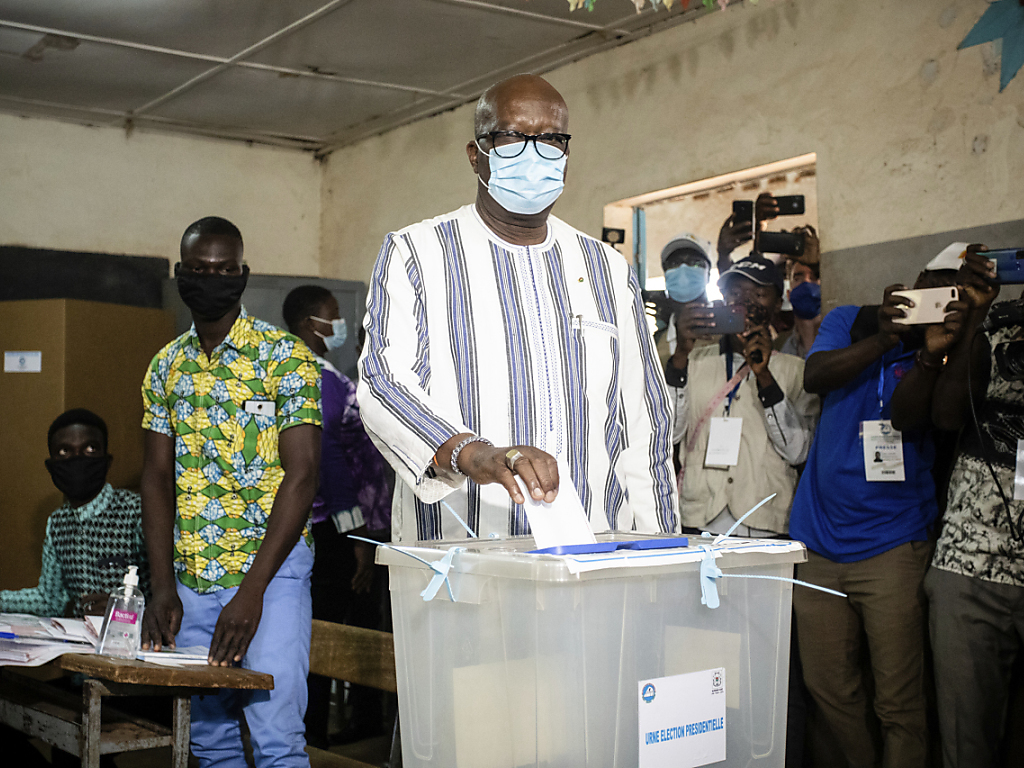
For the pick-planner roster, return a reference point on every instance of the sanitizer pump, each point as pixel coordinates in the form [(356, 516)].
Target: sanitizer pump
[(122, 624)]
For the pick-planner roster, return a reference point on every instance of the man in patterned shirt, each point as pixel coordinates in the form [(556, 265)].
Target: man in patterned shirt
[(975, 585), (232, 413), (93, 537)]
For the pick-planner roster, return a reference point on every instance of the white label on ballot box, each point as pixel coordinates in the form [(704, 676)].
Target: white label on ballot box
[(724, 442), (682, 720), (883, 452)]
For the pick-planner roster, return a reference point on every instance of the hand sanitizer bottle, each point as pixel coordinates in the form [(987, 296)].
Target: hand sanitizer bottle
[(122, 624)]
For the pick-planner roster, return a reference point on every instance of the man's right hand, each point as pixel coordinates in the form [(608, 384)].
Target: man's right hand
[(734, 233), (161, 620), (974, 276), (892, 308), (484, 464)]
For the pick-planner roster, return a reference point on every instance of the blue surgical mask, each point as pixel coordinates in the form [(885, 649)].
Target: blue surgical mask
[(527, 183), (339, 332), (806, 300), (685, 282)]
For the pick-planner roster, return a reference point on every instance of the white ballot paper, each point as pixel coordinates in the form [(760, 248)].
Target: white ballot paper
[(563, 521), (682, 720)]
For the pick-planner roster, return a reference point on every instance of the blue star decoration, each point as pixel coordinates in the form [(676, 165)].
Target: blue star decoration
[(1003, 19)]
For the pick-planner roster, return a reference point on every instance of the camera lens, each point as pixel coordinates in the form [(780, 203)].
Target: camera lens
[(1010, 360)]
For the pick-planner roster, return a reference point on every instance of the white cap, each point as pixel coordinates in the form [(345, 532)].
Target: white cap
[(131, 579), (950, 257), (690, 240)]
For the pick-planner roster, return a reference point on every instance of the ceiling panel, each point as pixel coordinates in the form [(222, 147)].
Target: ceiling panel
[(219, 28), (350, 69), (268, 102), (88, 75), (424, 43)]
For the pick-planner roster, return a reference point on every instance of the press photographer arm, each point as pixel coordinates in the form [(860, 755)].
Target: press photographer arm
[(970, 355)]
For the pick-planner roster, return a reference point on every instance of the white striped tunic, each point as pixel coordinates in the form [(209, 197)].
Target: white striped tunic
[(543, 345)]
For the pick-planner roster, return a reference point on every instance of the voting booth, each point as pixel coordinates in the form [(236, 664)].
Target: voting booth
[(598, 660)]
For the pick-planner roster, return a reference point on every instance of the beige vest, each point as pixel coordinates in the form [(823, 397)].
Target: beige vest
[(760, 471)]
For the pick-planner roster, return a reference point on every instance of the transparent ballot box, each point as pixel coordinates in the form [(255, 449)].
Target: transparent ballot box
[(523, 659)]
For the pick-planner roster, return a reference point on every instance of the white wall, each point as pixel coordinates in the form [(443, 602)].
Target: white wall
[(911, 135), (73, 187)]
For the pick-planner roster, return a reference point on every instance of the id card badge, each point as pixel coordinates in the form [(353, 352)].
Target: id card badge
[(723, 443), (260, 407), (1018, 476), (883, 452)]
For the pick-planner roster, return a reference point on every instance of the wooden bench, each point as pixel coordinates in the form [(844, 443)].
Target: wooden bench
[(360, 656)]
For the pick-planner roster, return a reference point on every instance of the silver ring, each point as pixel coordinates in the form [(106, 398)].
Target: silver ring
[(511, 457)]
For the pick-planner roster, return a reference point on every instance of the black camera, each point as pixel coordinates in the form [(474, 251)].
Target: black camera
[(788, 243)]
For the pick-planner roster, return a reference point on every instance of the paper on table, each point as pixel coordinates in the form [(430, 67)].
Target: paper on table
[(564, 520)]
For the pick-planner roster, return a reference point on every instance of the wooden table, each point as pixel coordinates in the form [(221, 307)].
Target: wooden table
[(80, 726)]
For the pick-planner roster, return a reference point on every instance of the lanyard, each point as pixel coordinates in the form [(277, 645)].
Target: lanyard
[(881, 388), (728, 377)]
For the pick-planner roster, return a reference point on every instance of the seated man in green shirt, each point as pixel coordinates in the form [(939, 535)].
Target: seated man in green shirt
[(93, 537)]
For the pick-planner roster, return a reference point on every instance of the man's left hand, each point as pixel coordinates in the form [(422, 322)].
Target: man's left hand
[(93, 603), (236, 627), (759, 339)]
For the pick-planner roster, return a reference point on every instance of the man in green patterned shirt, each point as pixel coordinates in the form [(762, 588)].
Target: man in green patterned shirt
[(232, 413)]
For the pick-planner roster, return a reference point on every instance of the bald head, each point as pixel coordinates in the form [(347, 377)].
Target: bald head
[(504, 97)]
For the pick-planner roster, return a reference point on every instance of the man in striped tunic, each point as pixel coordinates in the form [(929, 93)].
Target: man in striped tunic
[(500, 341)]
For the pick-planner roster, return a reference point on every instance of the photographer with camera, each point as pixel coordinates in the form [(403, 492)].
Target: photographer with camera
[(743, 421), (975, 586), (804, 297), (866, 525)]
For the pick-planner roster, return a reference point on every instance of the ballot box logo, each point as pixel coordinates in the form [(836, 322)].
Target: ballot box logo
[(716, 681), (648, 693)]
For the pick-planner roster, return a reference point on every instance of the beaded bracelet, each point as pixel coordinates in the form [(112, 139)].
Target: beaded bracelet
[(458, 449)]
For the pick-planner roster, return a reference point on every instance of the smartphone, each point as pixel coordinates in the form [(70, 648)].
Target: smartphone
[(790, 205), (1009, 265), (727, 319), (788, 243), (743, 210), (929, 305)]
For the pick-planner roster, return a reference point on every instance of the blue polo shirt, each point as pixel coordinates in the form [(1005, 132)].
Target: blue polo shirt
[(837, 512)]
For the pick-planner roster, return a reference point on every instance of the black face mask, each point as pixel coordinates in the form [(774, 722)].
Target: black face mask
[(210, 297), (80, 477)]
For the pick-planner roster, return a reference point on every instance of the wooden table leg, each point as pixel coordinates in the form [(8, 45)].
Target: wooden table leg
[(181, 728), (89, 736)]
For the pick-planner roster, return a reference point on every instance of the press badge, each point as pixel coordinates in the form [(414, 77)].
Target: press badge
[(724, 442), (883, 452), (260, 407)]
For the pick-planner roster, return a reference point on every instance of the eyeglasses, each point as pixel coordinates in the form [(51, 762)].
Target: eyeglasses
[(509, 144)]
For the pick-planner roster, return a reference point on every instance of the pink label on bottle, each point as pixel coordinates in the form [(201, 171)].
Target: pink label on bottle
[(124, 617)]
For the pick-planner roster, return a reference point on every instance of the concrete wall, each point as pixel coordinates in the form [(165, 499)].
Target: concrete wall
[(911, 135), (80, 188)]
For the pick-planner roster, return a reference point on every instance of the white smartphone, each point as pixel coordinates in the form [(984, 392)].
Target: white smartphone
[(929, 305)]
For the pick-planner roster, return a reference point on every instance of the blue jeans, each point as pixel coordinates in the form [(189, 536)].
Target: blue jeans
[(280, 648)]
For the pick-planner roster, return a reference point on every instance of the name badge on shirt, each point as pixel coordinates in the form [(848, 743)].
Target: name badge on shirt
[(260, 407), (723, 443), (883, 452)]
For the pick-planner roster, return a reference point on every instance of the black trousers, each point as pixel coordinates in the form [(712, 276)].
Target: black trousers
[(334, 565)]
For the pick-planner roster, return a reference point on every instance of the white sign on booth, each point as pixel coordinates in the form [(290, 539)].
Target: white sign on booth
[(682, 720)]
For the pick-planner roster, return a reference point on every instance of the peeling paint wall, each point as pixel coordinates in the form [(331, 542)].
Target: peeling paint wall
[(78, 188), (912, 136)]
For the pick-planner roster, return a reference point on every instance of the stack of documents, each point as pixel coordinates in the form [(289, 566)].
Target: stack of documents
[(28, 641)]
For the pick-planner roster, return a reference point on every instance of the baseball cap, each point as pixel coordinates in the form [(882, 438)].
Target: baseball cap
[(692, 241), (755, 268), (950, 257)]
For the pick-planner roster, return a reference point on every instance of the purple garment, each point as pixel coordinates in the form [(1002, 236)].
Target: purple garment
[(351, 467)]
